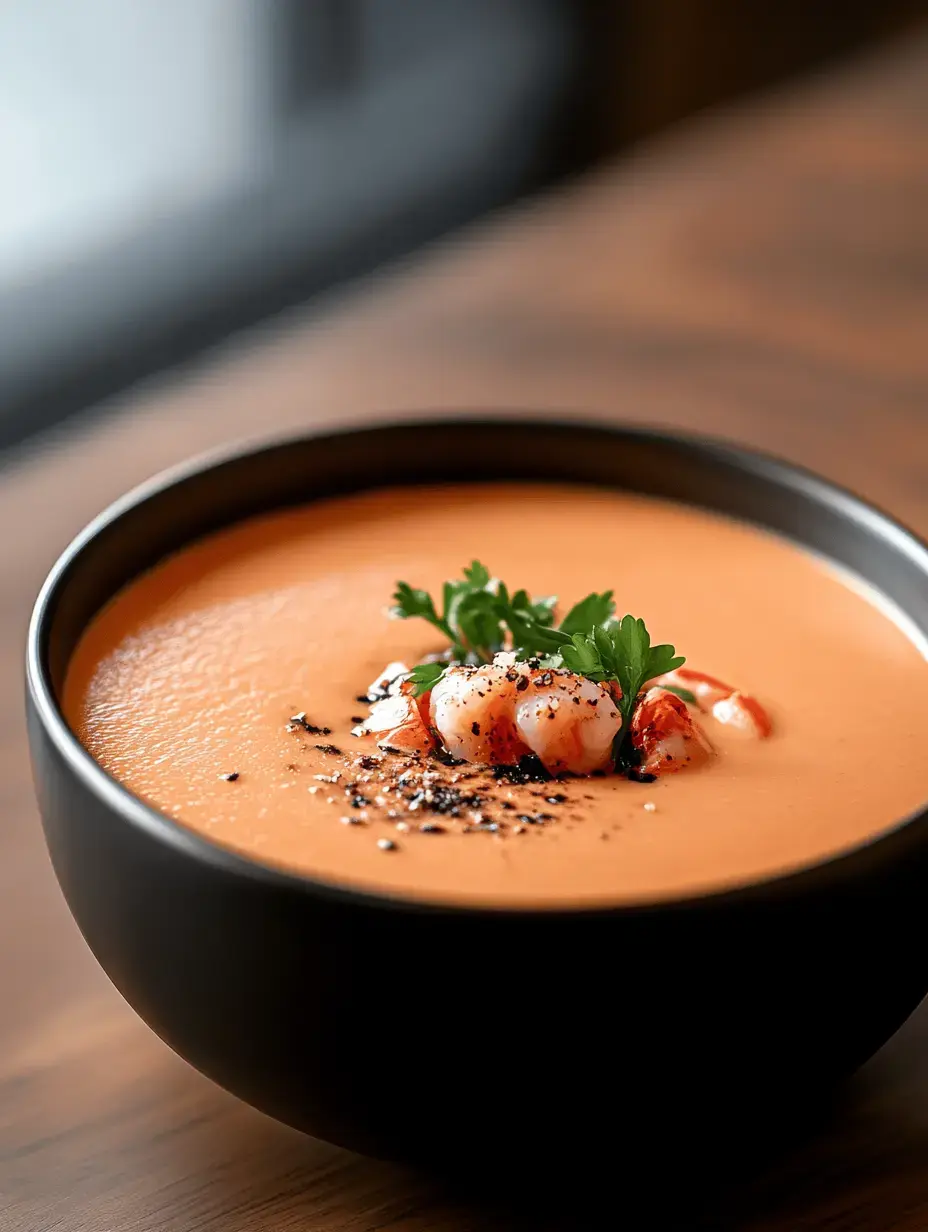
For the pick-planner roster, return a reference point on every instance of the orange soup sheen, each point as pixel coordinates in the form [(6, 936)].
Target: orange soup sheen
[(193, 672)]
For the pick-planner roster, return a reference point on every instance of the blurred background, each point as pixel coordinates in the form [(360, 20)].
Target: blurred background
[(174, 171)]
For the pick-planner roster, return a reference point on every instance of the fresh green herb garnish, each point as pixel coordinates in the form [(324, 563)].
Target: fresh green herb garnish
[(408, 602), (480, 617), (589, 612), (620, 650), (684, 694), (468, 618), (426, 676)]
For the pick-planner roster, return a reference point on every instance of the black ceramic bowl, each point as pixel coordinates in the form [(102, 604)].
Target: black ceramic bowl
[(405, 1029)]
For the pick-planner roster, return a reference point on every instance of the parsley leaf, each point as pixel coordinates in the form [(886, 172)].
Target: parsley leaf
[(593, 610), (477, 574), (476, 618), (620, 650), (539, 611), (479, 617), (582, 655), (684, 694), (408, 602), (426, 676)]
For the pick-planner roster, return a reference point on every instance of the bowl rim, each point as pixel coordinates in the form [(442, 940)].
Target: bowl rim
[(192, 844)]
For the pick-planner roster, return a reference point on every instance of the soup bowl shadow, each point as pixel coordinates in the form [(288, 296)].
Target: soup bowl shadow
[(428, 1032)]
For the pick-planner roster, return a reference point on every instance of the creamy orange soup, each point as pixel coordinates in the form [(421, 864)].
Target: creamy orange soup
[(193, 672)]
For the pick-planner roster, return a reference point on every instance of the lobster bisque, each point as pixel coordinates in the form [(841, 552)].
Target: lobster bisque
[(184, 687)]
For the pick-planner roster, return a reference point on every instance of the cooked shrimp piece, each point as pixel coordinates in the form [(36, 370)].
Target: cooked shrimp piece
[(567, 721), (472, 710), (725, 704), (743, 713), (706, 689), (665, 735), (401, 722)]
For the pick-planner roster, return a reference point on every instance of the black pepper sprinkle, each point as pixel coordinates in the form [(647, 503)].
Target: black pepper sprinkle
[(529, 770), (522, 685), (446, 799), (432, 827), (300, 720), (641, 776), (351, 821), (231, 778), (367, 762), (558, 798), (363, 699), (358, 801), (445, 758), (475, 729), (387, 844), (357, 718), (328, 748)]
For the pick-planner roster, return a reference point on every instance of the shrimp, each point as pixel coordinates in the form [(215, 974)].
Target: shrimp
[(496, 714), (744, 713), (569, 722), (388, 682), (401, 720), (473, 711), (706, 689), (726, 705), (664, 734)]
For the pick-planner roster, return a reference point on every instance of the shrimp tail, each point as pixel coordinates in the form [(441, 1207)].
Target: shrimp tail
[(664, 734)]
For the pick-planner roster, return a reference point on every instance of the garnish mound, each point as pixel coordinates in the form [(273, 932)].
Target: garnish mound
[(514, 700)]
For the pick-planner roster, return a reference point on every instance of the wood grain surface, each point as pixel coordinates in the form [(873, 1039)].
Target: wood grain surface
[(763, 276)]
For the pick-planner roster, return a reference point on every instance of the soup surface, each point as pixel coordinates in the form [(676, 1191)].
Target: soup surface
[(185, 686)]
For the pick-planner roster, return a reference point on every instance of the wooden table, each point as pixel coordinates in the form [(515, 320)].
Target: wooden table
[(763, 276)]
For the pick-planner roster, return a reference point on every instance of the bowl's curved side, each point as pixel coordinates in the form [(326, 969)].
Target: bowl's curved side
[(398, 1031), (401, 1035)]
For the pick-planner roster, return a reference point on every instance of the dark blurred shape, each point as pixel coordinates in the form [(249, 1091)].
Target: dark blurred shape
[(654, 62), (283, 148), (379, 126)]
